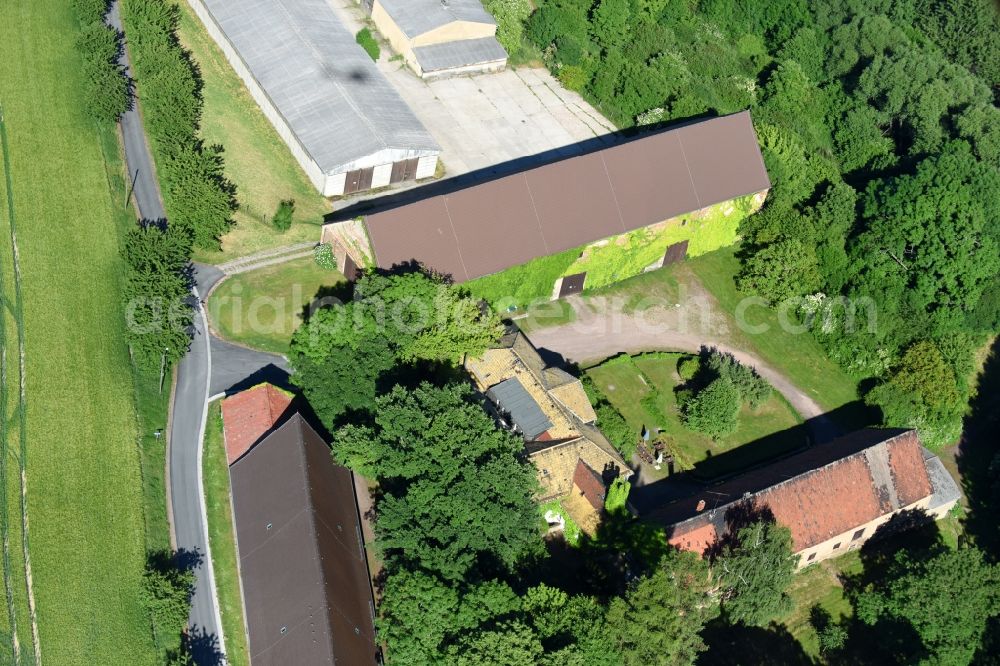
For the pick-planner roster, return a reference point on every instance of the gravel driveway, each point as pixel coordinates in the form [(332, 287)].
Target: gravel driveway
[(603, 328)]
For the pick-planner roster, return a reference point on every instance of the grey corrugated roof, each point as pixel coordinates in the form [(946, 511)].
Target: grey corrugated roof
[(322, 82), (415, 17), (945, 488), (511, 396), (449, 55)]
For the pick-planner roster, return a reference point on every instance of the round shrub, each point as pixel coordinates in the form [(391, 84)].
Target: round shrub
[(688, 367), (714, 411), (323, 255)]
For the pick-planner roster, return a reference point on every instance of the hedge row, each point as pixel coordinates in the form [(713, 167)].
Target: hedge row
[(199, 199), (108, 92)]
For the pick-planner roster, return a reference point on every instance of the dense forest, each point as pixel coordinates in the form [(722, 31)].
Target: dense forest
[(880, 130)]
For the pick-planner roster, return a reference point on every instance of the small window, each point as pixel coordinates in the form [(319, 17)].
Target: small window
[(857, 535), (284, 630), (836, 545), (269, 526), (545, 472), (812, 556)]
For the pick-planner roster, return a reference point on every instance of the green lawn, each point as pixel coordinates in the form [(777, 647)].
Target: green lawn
[(222, 541), (85, 496), (763, 433), (262, 308), (796, 355), (257, 160)]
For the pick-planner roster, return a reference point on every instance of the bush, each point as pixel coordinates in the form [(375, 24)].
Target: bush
[(323, 255), (752, 388), (368, 43), (714, 410), (510, 16), (573, 77), (688, 367), (282, 219)]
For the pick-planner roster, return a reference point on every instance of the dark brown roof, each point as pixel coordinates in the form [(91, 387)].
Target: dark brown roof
[(501, 223), (251, 414), (305, 581), (822, 492)]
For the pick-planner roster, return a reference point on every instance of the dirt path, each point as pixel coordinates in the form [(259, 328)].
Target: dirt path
[(605, 327)]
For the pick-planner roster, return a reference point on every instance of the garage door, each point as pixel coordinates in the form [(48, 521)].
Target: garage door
[(676, 252), (572, 284), (358, 180), (403, 170)]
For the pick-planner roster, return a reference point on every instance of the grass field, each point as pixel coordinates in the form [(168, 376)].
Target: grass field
[(257, 160), (798, 356), (84, 488), (762, 433), (222, 541), (262, 308)]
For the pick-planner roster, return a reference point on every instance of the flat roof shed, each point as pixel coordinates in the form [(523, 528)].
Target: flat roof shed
[(501, 223)]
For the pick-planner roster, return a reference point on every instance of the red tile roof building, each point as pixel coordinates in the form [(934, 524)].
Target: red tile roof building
[(250, 415), (832, 496)]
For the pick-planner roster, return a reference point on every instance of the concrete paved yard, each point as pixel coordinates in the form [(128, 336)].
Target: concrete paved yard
[(486, 120)]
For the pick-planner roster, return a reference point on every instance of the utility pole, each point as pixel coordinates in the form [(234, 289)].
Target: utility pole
[(163, 364)]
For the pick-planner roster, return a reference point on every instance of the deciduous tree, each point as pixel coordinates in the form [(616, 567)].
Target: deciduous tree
[(754, 570)]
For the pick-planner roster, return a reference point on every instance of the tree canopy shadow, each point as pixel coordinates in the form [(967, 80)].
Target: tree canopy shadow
[(978, 459), (738, 644)]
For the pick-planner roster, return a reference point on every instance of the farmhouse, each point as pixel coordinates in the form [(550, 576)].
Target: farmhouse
[(833, 496), (340, 117), (549, 408), (304, 578), (586, 202), (440, 37)]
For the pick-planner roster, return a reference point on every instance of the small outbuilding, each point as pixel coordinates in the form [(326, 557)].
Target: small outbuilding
[(440, 38)]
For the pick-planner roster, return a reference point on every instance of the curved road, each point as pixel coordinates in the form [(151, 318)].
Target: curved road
[(589, 339), (197, 380)]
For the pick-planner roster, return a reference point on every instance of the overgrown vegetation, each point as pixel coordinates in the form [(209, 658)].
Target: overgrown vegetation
[(882, 149), (368, 43), (199, 200)]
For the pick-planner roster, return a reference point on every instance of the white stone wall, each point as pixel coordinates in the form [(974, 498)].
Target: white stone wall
[(426, 166), (381, 175)]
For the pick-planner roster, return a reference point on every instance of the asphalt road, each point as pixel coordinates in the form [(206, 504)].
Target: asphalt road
[(141, 172), (189, 410)]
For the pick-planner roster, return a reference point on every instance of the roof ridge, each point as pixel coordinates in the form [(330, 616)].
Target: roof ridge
[(311, 506)]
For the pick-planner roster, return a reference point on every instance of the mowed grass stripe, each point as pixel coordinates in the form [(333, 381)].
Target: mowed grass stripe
[(85, 503), (8, 342)]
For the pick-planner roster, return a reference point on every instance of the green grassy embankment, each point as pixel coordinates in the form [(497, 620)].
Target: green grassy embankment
[(257, 161), (84, 485), (222, 540)]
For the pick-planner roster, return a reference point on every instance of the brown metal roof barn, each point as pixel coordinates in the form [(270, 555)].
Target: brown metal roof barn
[(306, 590), (559, 206)]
